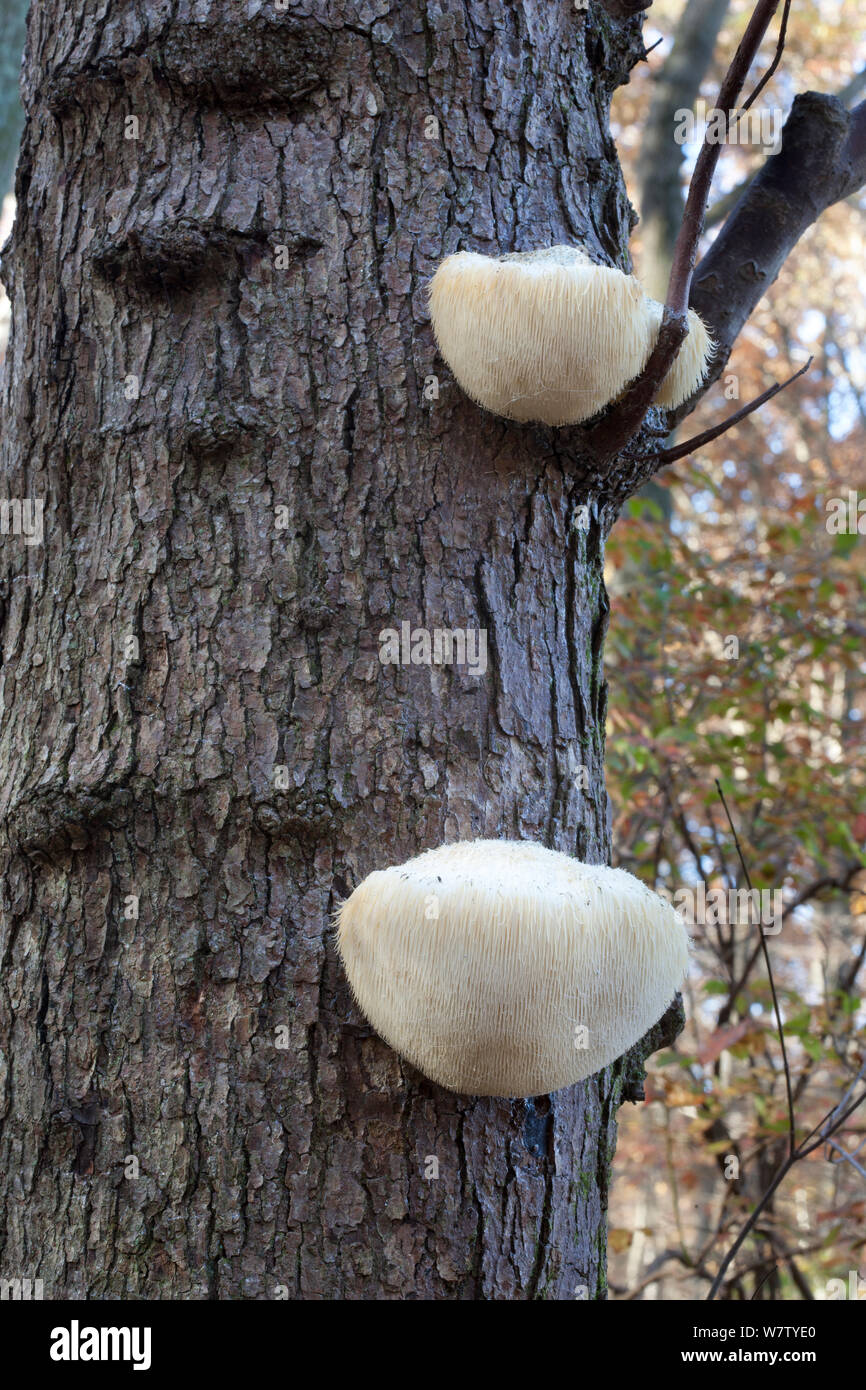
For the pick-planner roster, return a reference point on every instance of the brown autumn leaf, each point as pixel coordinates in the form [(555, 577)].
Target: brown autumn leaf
[(620, 1239), (852, 1209), (676, 1094), (722, 1038)]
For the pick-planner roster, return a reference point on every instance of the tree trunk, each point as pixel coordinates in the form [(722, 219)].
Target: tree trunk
[(222, 382), (676, 88)]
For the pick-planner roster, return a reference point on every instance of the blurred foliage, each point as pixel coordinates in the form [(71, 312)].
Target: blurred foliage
[(739, 548)]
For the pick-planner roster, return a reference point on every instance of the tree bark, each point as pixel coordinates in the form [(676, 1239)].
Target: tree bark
[(222, 382)]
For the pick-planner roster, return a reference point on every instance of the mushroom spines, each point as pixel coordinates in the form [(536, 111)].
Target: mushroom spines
[(543, 335), (482, 962), (689, 367), (547, 335)]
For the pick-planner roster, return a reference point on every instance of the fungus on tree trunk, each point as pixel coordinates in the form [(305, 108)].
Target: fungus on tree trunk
[(504, 968), (550, 336)]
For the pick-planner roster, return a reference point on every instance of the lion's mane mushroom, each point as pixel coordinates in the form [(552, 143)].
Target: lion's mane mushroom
[(503, 968), (551, 336)]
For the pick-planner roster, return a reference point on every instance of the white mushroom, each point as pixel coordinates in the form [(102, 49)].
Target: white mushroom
[(503, 968), (551, 336)]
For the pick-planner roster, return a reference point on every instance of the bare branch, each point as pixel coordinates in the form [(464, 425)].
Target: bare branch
[(777, 57), (719, 210), (675, 88), (830, 1125), (685, 250), (852, 90), (619, 426), (792, 1132), (747, 1226), (678, 451), (821, 160)]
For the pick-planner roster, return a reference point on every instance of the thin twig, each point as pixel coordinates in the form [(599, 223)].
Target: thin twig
[(723, 1267), (613, 432), (792, 1132), (827, 1129), (804, 1149), (769, 1274), (780, 46), (826, 1118), (845, 1157), (678, 451), (686, 246), (831, 1124)]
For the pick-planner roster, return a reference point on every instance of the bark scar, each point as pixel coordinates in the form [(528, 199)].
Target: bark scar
[(662, 1034)]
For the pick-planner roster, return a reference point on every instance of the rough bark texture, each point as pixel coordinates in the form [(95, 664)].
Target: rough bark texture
[(190, 1106)]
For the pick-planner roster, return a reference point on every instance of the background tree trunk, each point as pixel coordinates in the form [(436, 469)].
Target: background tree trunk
[(677, 87), (12, 27), (216, 383)]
